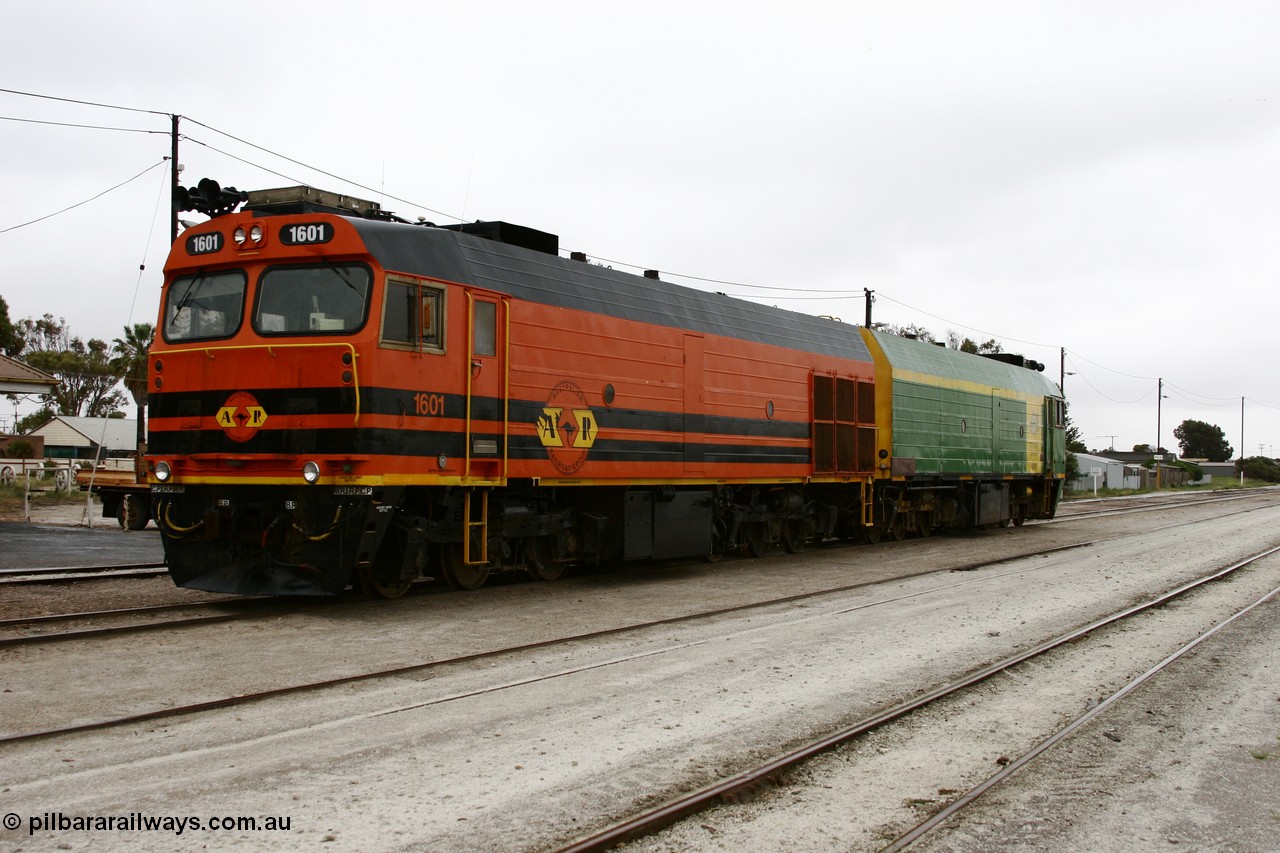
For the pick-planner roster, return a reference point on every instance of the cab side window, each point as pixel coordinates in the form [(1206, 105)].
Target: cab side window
[(485, 328), (413, 316)]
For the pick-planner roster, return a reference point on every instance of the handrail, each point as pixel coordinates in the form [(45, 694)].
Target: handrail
[(210, 351)]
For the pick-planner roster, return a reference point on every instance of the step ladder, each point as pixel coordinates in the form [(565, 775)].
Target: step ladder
[(468, 525)]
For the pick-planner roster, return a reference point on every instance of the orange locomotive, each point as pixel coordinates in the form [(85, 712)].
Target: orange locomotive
[(340, 398)]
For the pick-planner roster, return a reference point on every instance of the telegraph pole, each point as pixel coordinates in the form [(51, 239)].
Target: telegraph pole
[(174, 171), (1159, 399), (870, 299)]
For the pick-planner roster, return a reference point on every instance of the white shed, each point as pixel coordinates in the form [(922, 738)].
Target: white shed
[(66, 436), (1098, 472)]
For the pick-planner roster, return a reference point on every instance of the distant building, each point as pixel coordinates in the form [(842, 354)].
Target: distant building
[(1215, 469), (1119, 469), (19, 378), (1110, 474), (1135, 457), (67, 437)]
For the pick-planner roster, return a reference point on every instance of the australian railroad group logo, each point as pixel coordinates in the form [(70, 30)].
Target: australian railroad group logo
[(241, 416), (567, 428)]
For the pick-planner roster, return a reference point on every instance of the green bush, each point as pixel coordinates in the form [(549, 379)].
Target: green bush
[(1262, 468), (20, 449)]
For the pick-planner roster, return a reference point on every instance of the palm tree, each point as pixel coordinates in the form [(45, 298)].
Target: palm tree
[(130, 364)]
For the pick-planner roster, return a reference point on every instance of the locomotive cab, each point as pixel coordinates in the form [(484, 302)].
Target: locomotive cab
[(268, 422)]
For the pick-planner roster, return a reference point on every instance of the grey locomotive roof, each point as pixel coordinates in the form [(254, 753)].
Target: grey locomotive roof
[(927, 359), (552, 280)]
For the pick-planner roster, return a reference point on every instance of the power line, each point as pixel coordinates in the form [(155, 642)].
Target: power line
[(83, 103), (320, 171), (962, 325), (80, 126), (1085, 378), (779, 292), (1190, 395), (82, 203), (241, 159), (1109, 369)]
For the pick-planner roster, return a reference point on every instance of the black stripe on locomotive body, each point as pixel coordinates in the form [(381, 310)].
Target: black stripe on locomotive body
[(428, 443), (329, 400), (551, 280), (427, 446), (390, 401)]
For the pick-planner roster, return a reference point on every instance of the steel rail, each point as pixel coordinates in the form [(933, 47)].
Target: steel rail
[(696, 801), (118, 611), (937, 819), (246, 698), (55, 570)]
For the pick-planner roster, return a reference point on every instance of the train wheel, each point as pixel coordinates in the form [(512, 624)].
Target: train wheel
[(899, 528), (924, 524), (871, 535), (377, 585), (793, 538), (538, 551), (458, 574)]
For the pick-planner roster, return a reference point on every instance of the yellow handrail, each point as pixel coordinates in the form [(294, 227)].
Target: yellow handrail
[(270, 348)]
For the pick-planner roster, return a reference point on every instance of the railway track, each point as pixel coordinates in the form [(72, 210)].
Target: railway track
[(65, 574), (771, 771), (428, 666), (272, 608), (1016, 764), (243, 608), (1075, 511), (69, 574), (427, 708), (420, 668)]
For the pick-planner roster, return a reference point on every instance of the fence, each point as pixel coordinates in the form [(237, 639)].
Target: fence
[(57, 474)]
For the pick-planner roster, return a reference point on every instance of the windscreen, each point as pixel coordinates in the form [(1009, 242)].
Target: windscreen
[(328, 299), (205, 306)]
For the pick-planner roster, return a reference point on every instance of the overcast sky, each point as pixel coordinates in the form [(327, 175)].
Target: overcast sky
[(1099, 177)]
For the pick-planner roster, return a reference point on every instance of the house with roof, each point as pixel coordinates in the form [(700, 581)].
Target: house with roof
[(19, 378), (16, 377), (69, 437)]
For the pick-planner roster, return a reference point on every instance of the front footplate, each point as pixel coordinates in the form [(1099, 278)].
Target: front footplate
[(242, 543)]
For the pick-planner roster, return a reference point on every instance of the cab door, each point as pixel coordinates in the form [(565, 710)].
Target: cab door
[(487, 391)]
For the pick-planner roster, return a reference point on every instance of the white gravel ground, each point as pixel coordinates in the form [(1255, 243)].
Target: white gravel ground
[(524, 751)]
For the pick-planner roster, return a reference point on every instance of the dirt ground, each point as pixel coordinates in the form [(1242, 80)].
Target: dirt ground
[(69, 511), (512, 754)]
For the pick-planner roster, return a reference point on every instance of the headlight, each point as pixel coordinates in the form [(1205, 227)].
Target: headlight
[(251, 236), (162, 471), (311, 472)]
